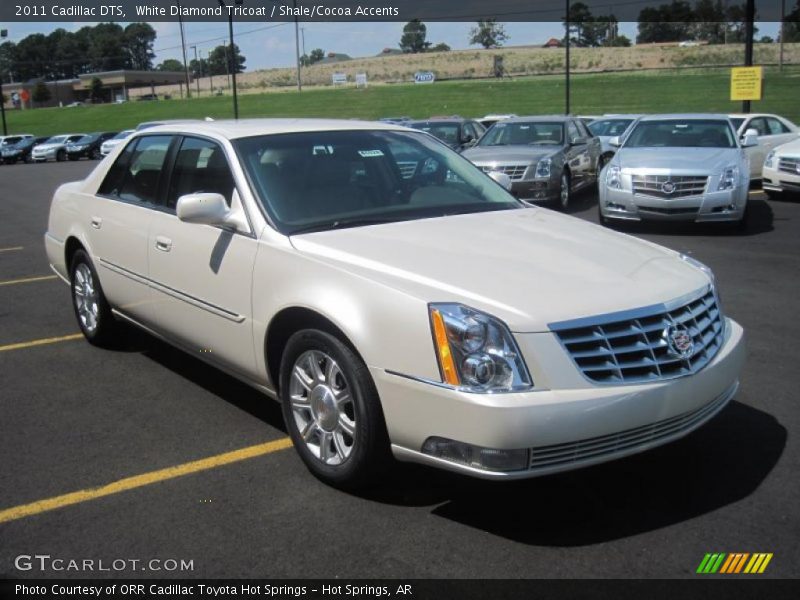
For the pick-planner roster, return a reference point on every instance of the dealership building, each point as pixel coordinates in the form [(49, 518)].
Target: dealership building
[(115, 85)]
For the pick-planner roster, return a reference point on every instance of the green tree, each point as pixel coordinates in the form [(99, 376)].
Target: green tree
[(413, 38), (317, 54), (41, 93), (96, 90), (488, 33), (170, 64), (440, 47), (218, 60), (8, 53), (138, 41), (618, 41), (667, 23), (791, 25), (709, 21)]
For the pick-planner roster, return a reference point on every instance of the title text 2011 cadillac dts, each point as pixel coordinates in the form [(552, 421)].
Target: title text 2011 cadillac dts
[(394, 298)]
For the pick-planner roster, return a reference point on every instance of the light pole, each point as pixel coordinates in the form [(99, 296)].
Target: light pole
[(3, 33), (183, 50), (232, 56), (297, 47), (210, 77), (748, 42), (566, 25), (780, 53), (198, 67)]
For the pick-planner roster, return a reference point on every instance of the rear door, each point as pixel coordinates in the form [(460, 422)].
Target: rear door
[(119, 221), (577, 156), (202, 275)]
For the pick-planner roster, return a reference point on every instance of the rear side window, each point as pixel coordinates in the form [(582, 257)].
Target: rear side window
[(776, 127), (137, 171), (200, 166)]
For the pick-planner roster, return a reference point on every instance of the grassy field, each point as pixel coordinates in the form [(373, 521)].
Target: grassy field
[(702, 90)]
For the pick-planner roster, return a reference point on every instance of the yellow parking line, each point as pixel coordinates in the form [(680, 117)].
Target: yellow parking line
[(28, 279), (129, 483), (12, 249), (42, 342)]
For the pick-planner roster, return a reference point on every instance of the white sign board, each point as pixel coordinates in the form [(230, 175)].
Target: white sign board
[(361, 80), (424, 77), (339, 78)]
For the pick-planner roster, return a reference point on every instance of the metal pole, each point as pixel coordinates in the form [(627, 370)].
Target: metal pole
[(197, 66), (210, 77), (780, 53), (183, 49), (303, 38), (748, 43), (297, 48), (3, 108), (233, 68), (566, 26)]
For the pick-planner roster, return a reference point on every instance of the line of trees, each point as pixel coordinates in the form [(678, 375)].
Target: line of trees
[(63, 54), (215, 64)]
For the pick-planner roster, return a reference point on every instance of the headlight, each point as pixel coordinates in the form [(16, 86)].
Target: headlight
[(476, 352), (728, 179), (703, 267), (769, 159), (543, 168), (614, 178)]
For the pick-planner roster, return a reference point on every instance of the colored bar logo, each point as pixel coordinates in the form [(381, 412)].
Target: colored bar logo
[(734, 563)]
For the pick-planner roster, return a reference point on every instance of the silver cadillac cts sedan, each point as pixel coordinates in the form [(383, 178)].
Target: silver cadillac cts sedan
[(394, 298), (677, 167)]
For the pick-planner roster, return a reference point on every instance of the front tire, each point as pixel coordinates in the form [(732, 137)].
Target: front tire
[(61, 155), (89, 303), (332, 410)]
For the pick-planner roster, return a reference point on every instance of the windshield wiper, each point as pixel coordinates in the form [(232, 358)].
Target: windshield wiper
[(344, 224)]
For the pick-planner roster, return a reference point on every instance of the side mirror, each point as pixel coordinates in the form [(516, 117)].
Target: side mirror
[(203, 208), (579, 141), (615, 141), (502, 179), (750, 139), (751, 131)]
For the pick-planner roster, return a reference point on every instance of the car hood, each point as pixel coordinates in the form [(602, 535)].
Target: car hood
[(45, 147), (528, 267), (506, 154), (678, 160), (789, 149)]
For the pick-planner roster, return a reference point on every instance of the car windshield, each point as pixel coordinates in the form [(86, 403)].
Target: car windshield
[(315, 181), (524, 133), (12, 139), (56, 139), (123, 134), (447, 132), (682, 133), (737, 122), (609, 127), (87, 139)]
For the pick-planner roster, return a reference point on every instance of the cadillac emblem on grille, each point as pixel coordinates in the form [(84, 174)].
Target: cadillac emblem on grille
[(679, 341), (667, 187)]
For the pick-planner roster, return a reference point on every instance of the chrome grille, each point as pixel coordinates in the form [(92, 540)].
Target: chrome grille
[(514, 172), (546, 457), (635, 347), (407, 168), (789, 165), (683, 185)]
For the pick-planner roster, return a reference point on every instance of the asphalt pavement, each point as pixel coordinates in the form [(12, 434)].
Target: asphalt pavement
[(73, 417)]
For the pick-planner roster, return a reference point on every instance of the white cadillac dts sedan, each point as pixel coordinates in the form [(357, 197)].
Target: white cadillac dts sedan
[(394, 298)]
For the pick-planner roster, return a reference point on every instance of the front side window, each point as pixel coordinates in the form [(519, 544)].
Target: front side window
[(200, 166), (136, 173), (524, 133), (690, 133), (574, 134), (610, 127), (327, 180), (449, 133)]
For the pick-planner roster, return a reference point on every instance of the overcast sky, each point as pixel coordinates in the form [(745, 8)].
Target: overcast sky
[(272, 45)]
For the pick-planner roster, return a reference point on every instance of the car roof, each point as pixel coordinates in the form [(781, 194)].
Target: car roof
[(685, 116), (243, 128), (540, 118)]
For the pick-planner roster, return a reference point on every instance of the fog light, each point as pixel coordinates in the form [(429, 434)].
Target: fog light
[(477, 457)]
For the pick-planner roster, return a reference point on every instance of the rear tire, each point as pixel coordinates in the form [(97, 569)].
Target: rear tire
[(332, 410), (92, 311), (61, 155)]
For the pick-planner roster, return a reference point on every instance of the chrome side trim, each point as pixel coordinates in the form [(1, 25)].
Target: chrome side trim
[(202, 304)]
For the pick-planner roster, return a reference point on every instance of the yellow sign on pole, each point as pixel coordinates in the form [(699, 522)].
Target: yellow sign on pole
[(746, 83)]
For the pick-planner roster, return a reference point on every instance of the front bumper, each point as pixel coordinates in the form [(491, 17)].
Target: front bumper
[(41, 156), (780, 181), (727, 205), (536, 190), (586, 423)]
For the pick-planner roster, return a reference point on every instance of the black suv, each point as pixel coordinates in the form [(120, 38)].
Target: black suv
[(88, 145), (21, 151), (456, 132)]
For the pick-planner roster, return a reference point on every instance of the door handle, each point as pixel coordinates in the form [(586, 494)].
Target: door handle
[(97, 222), (163, 243)]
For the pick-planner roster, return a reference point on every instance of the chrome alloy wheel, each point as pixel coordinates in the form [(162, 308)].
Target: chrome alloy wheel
[(322, 405), (564, 190), (86, 297)]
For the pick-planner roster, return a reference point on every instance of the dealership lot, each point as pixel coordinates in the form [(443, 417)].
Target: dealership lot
[(76, 418)]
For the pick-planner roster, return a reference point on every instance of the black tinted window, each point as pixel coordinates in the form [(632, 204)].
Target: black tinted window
[(136, 173), (200, 167)]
